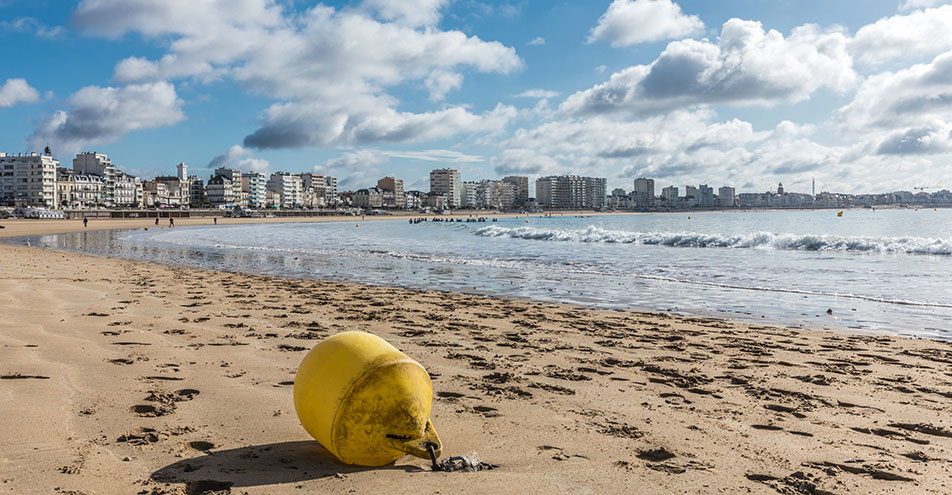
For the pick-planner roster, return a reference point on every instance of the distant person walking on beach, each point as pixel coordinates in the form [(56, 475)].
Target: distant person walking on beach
[(171, 222), (85, 222), (156, 220), (215, 219)]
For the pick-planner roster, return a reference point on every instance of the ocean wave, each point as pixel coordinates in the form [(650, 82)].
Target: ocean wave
[(757, 240)]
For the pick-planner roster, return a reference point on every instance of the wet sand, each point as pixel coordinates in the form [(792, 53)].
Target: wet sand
[(128, 377)]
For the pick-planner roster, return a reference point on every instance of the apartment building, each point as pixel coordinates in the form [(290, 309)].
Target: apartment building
[(28, 179), (447, 181), (571, 192), (92, 163)]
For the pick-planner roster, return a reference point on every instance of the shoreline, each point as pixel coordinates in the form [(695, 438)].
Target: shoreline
[(70, 226), (95, 353)]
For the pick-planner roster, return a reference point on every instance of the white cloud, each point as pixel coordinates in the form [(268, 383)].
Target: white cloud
[(629, 22), (745, 66), (32, 25), (537, 41), (537, 93), (16, 91), (447, 156), (102, 115), (357, 169), (916, 37), (331, 69), (409, 12), (363, 122), (908, 97), (240, 158), (904, 112), (920, 4)]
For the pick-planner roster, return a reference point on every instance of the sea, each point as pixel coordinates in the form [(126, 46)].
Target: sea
[(871, 271)]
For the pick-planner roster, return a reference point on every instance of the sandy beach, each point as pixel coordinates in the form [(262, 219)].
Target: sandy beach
[(126, 377)]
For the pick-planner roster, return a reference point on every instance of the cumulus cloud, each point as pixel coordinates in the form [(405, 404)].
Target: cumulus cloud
[(745, 66), (16, 91), (315, 124), (355, 169), (97, 114), (409, 12), (920, 4), (331, 69), (629, 22), (936, 138), (537, 41), (240, 158), (917, 36), (907, 97)]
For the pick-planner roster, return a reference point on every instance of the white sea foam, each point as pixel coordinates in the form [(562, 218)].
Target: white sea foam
[(757, 240)]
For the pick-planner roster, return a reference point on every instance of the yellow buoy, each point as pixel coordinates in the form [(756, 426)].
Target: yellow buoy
[(357, 225), (839, 214), (364, 400)]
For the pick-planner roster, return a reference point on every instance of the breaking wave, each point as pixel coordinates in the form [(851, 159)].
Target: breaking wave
[(758, 240)]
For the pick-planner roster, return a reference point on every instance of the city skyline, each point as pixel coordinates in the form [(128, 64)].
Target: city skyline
[(743, 94)]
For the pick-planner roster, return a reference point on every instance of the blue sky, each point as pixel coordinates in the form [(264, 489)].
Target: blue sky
[(857, 94)]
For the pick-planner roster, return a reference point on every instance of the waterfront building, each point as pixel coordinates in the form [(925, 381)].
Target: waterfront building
[(372, 197), (494, 194), (176, 191), (87, 163), (28, 179), (220, 191), (619, 198), (447, 181), (644, 193), (521, 184), (154, 194), (318, 190), (196, 191), (128, 190), (469, 194), (77, 190), (288, 186), (395, 187), (254, 187), (181, 171), (415, 200), (239, 197), (692, 197), (670, 196), (570, 192), (707, 196), (436, 201), (726, 197)]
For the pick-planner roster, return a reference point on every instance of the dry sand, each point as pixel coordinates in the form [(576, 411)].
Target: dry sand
[(125, 377)]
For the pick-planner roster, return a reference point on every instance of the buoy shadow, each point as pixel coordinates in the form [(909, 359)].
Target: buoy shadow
[(260, 465)]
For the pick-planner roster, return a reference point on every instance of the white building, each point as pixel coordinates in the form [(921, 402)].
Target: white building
[(670, 196), (98, 164), (469, 195), (644, 193), (288, 187), (220, 192), (521, 184), (254, 186), (28, 179), (726, 197), (570, 192), (181, 171), (239, 197), (447, 181), (128, 190)]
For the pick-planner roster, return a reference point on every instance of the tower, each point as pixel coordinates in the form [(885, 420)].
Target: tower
[(182, 170), (813, 186), (780, 188)]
